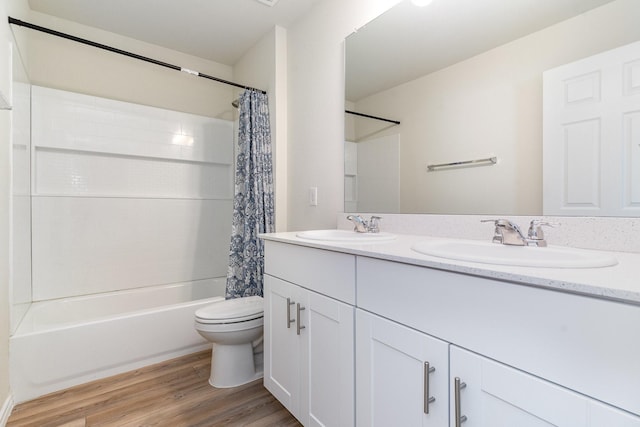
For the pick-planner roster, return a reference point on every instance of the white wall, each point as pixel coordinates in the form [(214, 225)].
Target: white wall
[(264, 66), (68, 65), (488, 105), (316, 107)]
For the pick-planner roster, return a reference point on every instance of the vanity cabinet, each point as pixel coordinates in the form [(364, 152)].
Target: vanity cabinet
[(401, 375), (505, 354), (485, 393), (309, 337), (588, 345)]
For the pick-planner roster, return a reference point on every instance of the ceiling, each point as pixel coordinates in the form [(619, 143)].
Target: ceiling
[(407, 41), (218, 30)]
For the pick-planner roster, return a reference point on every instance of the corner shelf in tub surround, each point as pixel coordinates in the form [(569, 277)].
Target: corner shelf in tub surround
[(515, 344)]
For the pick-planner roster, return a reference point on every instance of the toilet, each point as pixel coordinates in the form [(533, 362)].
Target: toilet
[(234, 326)]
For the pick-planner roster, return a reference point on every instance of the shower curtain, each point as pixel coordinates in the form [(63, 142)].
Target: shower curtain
[(253, 211)]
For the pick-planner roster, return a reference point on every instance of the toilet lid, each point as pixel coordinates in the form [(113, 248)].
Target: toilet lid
[(237, 310)]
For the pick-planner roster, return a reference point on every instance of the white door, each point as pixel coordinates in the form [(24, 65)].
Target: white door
[(281, 343), (591, 135), (328, 354), (393, 379), (495, 395)]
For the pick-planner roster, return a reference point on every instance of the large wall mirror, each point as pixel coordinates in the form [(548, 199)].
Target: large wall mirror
[(465, 80)]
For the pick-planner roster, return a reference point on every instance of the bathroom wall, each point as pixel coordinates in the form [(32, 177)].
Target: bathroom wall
[(316, 107), (264, 66), (316, 135), (64, 64), (496, 95)]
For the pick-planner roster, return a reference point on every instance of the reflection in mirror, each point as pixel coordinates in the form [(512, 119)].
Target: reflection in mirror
[(21, 189), (465, 79)]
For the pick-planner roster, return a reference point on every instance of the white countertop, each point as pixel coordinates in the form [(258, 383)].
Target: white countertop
[(620, 282)]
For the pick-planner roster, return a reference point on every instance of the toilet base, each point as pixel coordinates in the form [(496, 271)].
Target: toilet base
[(234, 365)]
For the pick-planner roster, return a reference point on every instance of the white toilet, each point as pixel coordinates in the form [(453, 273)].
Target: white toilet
[(234, 326)]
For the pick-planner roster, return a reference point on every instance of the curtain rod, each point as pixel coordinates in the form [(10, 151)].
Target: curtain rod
[(395, 122), (125, 53)]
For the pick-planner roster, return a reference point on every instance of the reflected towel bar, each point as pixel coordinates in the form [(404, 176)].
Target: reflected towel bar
[(479, 162)]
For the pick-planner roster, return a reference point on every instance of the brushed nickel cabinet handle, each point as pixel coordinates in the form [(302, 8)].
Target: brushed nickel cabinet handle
[(457, 386), (299, 308), (289, 319), (427, 399)]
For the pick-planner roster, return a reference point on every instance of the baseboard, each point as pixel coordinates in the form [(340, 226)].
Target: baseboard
[(5, 411)]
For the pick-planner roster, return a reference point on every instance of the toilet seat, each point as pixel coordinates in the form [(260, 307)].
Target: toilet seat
[(228, 326), (236, 310)]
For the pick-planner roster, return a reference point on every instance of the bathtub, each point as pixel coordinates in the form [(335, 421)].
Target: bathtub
[(70, 341)]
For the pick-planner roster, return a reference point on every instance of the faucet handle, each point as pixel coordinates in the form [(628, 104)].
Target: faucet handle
[(504, 223), (497, 234), (360, 224), (506, 232), (535, 228), (501, 222), (374, 224)]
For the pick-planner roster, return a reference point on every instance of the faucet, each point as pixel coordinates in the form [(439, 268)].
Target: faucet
[(361, 225), (508, 233)]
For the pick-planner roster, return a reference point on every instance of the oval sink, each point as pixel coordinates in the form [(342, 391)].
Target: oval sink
[(524, 256), (345, 236)]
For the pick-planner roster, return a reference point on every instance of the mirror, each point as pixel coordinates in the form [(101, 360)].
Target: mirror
[(465, 80)]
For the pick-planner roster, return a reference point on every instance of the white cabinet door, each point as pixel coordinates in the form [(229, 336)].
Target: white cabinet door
[(494, 395), (393, 382), (328, 355), (309, 354), (282, 368), (591, 135)]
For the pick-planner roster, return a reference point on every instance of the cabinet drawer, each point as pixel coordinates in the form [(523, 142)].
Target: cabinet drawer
[(586, 344), (330, 273)]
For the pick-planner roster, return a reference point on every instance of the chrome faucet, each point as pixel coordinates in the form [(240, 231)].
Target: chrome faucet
[(508, 233), (361, 225)]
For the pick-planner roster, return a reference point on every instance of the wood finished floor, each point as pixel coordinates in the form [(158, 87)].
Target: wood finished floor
[(172, 393)]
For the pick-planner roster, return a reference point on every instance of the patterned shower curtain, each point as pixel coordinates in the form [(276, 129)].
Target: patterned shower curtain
[(253, 211)]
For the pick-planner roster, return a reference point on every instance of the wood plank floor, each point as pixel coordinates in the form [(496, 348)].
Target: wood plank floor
[(172, 393)]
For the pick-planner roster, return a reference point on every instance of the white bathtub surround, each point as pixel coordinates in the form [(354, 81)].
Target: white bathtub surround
[(71, 341), (603, 233), (125, 195)]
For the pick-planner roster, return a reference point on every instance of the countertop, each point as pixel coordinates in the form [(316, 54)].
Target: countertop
[(620, 282)]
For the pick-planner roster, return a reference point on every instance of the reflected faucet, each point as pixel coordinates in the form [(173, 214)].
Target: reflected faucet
[(361, 225), (508, 233)]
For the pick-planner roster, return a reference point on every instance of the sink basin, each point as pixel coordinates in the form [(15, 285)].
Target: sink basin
[(524, 256), (345, 236)]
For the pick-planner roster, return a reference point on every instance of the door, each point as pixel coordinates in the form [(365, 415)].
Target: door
[(328, 354), (401, 375), (591, 135), (282, 366), (491, 394)]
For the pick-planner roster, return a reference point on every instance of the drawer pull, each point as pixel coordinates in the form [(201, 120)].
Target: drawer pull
[(457, 386), (427, 399), (299, 308), (289, 319)]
